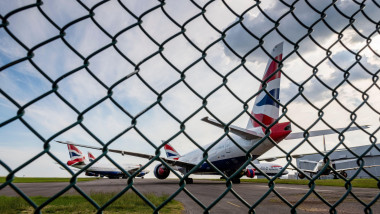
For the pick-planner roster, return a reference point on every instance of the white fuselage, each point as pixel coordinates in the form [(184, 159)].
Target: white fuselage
[(225, 155), (269, 169), (320, 165), (109, 170)]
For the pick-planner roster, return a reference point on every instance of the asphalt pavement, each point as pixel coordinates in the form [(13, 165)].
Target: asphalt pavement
[(208, 191)]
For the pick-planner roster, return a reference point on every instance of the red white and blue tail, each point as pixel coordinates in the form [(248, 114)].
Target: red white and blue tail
[(171, 153), (91, 157), (76, 156), (266, 110)]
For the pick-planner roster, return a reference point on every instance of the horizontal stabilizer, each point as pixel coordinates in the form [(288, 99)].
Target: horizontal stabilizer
[(299, 135), (244, 133)]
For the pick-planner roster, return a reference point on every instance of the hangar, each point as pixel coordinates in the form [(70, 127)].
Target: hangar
[(371, 158)]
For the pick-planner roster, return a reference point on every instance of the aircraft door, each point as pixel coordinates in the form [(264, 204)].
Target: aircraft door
[(227, 146)]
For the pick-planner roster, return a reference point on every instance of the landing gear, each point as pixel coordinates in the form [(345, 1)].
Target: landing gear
[(189, 180), (344, 174)]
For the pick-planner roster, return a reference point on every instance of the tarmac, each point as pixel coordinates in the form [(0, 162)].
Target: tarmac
[(207, 192)]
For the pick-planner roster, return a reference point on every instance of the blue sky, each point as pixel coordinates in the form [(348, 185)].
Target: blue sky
[(50, 115)]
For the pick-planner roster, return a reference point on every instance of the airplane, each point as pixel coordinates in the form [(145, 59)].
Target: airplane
[(331, 168), (263, 131), (268, 169), (78, 160), (319, 166)]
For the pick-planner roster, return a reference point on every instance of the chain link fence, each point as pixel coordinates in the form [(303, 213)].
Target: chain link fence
[(178, 58)]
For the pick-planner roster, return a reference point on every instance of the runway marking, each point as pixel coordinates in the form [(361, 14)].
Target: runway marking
[(295, 188), (298, 188), (233, 204)]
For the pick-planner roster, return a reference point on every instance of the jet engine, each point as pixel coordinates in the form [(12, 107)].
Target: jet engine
[(161, 172), (301, 176), (250, 173)]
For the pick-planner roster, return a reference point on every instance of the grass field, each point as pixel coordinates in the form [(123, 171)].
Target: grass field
[(43, 180), (364, 183), (128, 203)]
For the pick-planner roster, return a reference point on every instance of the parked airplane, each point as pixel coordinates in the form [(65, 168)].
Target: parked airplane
[(78, 160), (225, 155), (269, 169), (320, 165)]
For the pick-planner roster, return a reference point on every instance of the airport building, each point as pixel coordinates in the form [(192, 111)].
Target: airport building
[(371, 158)]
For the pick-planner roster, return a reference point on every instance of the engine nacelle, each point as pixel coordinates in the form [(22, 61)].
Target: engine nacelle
[(91, 174), (250, 173), (161, 172), (280, 131)]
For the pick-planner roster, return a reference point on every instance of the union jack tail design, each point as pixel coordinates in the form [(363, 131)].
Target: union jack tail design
[(266, 109), (91, 157), (76, 155), (171, 152)]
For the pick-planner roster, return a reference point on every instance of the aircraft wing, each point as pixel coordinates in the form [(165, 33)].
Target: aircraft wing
[(304, 170), (307, 170), (133, 170), (311, 134), (270, 159), (244, 133), (135, 154), (309, 161), (298, 135), (355, 168), (72, 168), (344, 161)]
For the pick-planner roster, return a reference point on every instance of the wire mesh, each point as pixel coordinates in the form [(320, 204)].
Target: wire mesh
[(338, 35)]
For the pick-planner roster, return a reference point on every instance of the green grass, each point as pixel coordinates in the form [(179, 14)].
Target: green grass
[(363, 182), (43, 180), (127, 203)]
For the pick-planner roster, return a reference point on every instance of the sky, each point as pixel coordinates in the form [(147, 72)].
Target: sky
[(50, 115)]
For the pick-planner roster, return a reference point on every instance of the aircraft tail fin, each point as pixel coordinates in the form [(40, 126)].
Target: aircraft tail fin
[(171, 152), (266, 108), (76, 156), (91, 157)]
